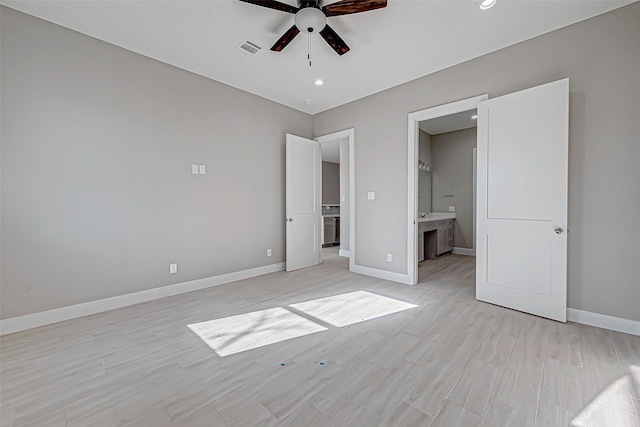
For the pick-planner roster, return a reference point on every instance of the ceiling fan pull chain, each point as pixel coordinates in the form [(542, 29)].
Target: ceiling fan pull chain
[(309, 48)]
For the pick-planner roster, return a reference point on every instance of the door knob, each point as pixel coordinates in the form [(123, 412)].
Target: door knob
[(559, 230), (290, 219)]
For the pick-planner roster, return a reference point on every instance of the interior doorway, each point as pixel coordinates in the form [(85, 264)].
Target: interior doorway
[(446, 185), (432, 214), (333, 194), (337, 231), (521, 202)]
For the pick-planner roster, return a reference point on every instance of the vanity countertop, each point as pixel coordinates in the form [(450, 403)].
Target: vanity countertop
[(435, 216)]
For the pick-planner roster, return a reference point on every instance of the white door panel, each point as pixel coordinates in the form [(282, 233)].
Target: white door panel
[(303, 193), (524, 266), (302, 186), (519, 152), (303, 237), (522, 200)]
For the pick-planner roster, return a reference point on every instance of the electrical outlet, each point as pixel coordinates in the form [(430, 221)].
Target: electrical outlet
[(194, 169), (343, 198), (452, 208), (202, 169), (268, 252), (173, 268), (389, 257), (371, 195)]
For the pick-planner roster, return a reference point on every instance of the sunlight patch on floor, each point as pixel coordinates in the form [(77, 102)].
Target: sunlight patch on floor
[(247, 331), (634, 374), (613, 406), (353, 307)]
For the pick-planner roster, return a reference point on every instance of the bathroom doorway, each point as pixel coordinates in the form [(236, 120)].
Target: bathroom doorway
[(442, 182), (446, 185)]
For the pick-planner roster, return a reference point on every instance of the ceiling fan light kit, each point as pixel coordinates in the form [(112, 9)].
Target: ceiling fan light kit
[(487, 4), (311, 18)]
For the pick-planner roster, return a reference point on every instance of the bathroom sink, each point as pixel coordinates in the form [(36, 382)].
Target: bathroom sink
[(434, 216)]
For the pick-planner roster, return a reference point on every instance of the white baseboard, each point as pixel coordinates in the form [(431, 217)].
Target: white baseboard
[(344, 253), (464, 251), (603, 321), (29, 321), (381, 274)]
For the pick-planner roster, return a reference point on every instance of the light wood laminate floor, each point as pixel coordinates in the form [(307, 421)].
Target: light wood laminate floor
[(450, 361)]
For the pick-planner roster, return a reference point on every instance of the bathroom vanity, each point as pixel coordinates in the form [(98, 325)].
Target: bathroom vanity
[(435, 235)]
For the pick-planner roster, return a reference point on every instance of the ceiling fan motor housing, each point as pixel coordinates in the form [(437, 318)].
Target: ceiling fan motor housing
[(310, 3)]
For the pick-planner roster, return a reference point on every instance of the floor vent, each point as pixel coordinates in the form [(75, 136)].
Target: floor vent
[(249, 48)]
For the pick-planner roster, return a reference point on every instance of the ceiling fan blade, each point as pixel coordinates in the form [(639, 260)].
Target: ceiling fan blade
[(273, 4), (334, 40), (346, 7), (285, 39)]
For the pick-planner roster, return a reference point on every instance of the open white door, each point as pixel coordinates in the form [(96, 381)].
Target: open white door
[(303, 175), (522, 200)]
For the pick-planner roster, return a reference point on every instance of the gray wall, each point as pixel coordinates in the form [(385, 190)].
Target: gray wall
[(602, 59), (330, 183), (97, 192), (452, 168)]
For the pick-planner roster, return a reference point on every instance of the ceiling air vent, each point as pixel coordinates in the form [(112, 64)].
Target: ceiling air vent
[(249, 48)]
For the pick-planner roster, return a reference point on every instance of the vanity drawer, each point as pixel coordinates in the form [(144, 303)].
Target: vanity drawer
[(444, 223)]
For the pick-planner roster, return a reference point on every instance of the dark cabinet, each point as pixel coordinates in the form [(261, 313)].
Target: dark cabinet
[(435, 238)]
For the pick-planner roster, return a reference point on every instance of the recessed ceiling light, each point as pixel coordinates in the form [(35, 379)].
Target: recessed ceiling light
[(487, 4), (474, 117), (319, 82), (307, 101)]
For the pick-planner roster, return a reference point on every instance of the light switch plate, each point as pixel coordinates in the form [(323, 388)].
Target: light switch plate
[(268, 252), (173, 268), (389, 258), (202, 169), (371, 195), (452, 208), (343, 198), (194, 169)]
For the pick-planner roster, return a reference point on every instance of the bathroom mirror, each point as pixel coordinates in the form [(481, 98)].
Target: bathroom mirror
[(424, 190)]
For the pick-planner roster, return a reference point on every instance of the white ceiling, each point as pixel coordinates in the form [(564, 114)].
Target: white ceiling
[(449, 123), (406, 40)]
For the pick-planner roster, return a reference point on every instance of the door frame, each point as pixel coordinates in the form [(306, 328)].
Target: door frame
[(412, 188), (350, 135)]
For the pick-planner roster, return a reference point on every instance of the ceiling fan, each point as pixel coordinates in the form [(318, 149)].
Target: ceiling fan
[(311, 17)]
